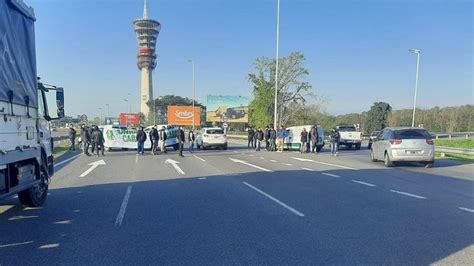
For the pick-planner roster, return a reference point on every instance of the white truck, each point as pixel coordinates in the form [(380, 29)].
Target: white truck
[(26, 145), (350, 136)]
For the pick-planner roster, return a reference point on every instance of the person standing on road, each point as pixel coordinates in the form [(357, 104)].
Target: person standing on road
[(258, 138), (314, 139), (181, 140), (335, 136), (282, 134), (251, 135), (91, 133), (191, 139), (154, 137), (303, 140), (163, 137), (273, 137), (267, 138), (98, 139), (85, 138), (72, 138), (141, 138)]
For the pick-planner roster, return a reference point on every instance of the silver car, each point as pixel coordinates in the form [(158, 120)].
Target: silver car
[(403, 145)]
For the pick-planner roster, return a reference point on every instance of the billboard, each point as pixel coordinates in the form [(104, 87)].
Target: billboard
[(130, 119), (232, 109), (183, 115)]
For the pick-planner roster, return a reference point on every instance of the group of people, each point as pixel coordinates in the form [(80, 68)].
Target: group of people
[(91, 137), (159, 137), (274, 140)]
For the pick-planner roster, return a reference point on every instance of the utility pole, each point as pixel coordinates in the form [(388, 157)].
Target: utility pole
[(417, 52), (275, 117)]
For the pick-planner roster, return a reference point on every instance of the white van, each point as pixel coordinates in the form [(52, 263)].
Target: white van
[(293, 141)]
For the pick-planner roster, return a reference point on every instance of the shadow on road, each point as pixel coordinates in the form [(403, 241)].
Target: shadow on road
[(220, 220)]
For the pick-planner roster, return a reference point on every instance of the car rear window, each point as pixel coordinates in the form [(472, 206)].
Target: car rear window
[(375, 133), (412, 134), (347, 129), (215, 131)]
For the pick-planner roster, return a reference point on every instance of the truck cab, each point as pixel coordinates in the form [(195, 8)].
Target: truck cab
[(26, 104)]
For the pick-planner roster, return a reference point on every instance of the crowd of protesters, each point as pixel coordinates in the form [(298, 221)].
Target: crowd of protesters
[(276, 140)]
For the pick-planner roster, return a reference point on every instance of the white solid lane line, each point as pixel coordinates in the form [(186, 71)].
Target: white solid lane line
[(466, 209), (333, 175), (202, 178), (307, 169), (319, 162), (197, 157), (67, 160), (249, 164), (407, 194), (363, 183), (288, 164), (123, 207), (275, 200)]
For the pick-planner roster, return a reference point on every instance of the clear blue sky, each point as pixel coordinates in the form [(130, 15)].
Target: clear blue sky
[(356, 51)]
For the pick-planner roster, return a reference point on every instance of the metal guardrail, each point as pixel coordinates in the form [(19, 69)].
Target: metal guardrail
[(452, 135), (443, 150)]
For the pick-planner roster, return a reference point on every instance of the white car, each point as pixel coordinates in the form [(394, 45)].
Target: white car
[(211, 137)]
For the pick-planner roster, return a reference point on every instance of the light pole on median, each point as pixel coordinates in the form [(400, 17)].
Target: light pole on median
[(417, 52), (194, 93), (275, 118)]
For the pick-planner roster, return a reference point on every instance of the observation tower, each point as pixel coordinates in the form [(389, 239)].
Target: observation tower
[(147, 31)]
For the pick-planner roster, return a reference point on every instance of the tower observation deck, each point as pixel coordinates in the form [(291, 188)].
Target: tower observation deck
[(147, 31)]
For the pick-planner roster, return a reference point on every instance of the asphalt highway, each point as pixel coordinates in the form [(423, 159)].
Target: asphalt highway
[(244, 207)]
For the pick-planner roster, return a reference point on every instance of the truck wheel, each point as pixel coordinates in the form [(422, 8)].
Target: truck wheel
[(357, 147), (349, 146), (36, 195)]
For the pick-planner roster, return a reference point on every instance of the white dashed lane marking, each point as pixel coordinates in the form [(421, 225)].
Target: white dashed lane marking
[(364, 183), (407, 194)]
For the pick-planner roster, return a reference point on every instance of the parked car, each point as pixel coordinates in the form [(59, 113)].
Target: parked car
[(403, 145), (372, 136), (211, 138), (350, 136)]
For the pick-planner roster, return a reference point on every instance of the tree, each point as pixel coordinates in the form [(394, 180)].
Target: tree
[(291, 89), (377, 117)]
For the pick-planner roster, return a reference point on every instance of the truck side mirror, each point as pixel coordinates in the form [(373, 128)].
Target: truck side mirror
[(60, 102)]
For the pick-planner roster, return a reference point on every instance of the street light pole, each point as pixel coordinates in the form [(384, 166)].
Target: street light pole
[(108, 113), (275, 118), (194, 93), (417, 52)]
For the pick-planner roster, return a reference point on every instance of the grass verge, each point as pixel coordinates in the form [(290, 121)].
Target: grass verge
[(60, 150), (455, 157), (456, 143)]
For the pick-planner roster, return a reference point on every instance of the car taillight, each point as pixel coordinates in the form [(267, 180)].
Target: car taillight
[(396, 141), (429, 142)]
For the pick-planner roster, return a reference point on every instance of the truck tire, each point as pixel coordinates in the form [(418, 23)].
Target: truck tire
[(357, 146), (36, 195), (349, 146)]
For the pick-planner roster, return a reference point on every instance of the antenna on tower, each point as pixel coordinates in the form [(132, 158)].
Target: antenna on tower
[(145, 10)]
